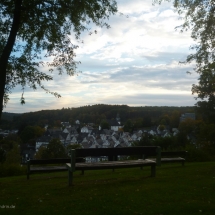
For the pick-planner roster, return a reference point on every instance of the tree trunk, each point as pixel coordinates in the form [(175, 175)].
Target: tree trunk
[(7, 51)]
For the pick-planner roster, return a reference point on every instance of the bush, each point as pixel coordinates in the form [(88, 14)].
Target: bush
[(197, 154), (12, 170)]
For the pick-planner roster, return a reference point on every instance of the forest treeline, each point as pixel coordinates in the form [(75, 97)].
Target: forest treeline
[(142, 116)]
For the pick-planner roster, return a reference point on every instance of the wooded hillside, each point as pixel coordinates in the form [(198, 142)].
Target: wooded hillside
[(96, 113)]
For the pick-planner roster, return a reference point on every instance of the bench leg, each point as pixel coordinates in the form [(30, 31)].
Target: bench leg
[(28, 169), (153, 171), (70, 177)]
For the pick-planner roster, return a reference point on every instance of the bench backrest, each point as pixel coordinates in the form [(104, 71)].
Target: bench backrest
[(138, 150), (174, 154), (50, 161), (112, 153)]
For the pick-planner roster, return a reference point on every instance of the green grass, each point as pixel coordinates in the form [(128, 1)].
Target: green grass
[(175, 190)]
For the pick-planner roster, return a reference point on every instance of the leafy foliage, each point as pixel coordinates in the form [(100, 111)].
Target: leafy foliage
[(206, 92), (8, 142), (105, 125), (10, 150), (13, 156), (199, 17), (55, 149), (41, 153), (72, 146), (31, 132), (128, 126), (12, 170), (35, 35), (2, 155), (146, 140)]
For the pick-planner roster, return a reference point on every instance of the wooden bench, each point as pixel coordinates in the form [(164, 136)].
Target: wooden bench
[(113, 159), (46, 165), (173, 157)]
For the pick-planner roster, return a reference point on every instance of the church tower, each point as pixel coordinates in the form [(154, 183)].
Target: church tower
[(118, 118)]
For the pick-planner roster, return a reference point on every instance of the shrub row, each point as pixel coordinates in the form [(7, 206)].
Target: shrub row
[(12, 170)]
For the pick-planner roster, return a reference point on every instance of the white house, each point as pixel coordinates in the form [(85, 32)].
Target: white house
[(86, 129), (42, 141)]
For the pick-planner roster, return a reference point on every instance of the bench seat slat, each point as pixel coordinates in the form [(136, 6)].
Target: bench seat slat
[(174, 154), (163, 160), (47, 168), (112, 164), (166, 160), (173, 157)]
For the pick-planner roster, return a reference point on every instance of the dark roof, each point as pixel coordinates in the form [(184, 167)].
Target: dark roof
[(85, 145), (81, 136), (72, 130), (66, 124), (96, 131), (53, 130), (107, 131), (100, 142)]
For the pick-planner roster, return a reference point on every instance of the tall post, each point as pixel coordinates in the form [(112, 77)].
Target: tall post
[(28, 168), (72, 167)]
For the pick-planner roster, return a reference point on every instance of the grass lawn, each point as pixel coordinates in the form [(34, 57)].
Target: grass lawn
[(175, 190)]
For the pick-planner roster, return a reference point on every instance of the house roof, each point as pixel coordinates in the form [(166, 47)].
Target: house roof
[(72, 130), (81, 136), (53, 130), (65, 124)]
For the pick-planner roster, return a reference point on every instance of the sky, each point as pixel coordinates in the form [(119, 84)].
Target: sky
[(135, 63)]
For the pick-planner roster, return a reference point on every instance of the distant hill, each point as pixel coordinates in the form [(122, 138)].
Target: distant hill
[(96, 113), (9, 116)]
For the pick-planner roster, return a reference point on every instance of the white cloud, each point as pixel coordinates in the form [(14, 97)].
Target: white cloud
[(135, 62)]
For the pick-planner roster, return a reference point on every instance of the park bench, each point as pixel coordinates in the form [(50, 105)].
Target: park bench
[(113, 155), (173, 157), (47, 165)]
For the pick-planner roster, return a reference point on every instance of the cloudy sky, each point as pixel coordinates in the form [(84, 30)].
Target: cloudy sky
[(135, 62)]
